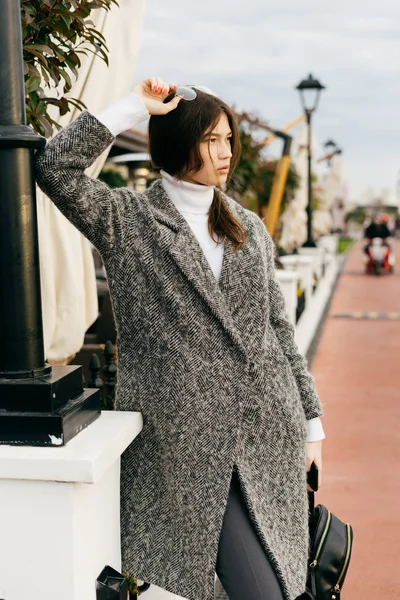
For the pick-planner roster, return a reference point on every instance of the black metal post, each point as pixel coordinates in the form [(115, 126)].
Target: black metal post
[(21, 332), (309, 243), (38, 405)]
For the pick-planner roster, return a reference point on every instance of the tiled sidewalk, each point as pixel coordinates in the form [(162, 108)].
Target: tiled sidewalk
[(357, 369)]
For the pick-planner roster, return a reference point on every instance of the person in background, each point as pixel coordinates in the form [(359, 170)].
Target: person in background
[(377, 229)]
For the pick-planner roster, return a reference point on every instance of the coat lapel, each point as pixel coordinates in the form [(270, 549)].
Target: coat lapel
[(177, 237)]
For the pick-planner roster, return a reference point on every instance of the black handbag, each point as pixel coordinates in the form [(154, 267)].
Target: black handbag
[(331, 543)]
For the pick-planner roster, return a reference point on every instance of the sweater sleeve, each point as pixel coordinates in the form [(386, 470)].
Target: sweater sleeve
[(88, 203), (127, 113), (315, 430), (284, 331)]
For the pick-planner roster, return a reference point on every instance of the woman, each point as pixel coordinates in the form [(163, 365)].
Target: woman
[(216, 481)]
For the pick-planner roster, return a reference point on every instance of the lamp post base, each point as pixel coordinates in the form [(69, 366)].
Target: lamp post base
[(309, 244), (54, 429), (46, 411)]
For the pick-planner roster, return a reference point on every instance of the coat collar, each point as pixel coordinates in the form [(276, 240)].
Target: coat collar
[(177, 237)]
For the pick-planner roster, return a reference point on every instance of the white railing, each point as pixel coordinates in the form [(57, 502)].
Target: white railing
[(317, 269)]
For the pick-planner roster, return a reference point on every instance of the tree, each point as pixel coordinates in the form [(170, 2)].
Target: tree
[(264, 180), (246, 171), (254, 174), (55, 35)]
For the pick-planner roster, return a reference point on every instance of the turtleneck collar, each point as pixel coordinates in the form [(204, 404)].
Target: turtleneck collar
[(189, 198)]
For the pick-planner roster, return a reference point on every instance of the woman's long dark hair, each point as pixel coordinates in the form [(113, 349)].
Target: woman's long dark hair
[(174, 147)]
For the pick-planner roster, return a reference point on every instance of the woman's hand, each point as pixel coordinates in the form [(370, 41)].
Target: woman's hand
[(314, 454), (153, 92)]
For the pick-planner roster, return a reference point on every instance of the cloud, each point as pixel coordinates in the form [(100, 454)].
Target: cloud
[(253, 56)]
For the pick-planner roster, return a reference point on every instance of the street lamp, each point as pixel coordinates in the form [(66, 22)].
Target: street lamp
[(331, 146), (331, 149), (310, 90), (39, 405)]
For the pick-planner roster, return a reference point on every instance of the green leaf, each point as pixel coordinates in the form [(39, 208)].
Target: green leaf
[(62, 28), (32, 84), (77, 103), (96, 34), (38, 55), (28, 18), (59, 54), (41, 108), (33, 100), (54, 74), (39, 48), (46, 124), (67, 79), (45, 75), (67, 20), (71, 66)]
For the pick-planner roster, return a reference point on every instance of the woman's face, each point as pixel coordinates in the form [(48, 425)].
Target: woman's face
[(215, 151)]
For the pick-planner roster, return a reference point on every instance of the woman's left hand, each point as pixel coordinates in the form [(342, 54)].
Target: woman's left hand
[(314, 454)]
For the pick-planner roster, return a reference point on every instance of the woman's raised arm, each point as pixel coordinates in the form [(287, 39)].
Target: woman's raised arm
[(90, 204)]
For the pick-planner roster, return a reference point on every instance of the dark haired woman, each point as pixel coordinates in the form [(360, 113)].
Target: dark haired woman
[(216, 481)]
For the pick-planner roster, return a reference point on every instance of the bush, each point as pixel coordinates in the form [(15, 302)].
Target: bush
[(113, 179), (344, 244)]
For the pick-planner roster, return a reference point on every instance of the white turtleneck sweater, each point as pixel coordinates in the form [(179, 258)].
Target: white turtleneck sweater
[(192, 200)]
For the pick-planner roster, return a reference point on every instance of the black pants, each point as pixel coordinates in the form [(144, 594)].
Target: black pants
[(242, 565)]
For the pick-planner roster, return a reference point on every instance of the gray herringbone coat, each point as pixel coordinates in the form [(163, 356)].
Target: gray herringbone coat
[(212, 366)]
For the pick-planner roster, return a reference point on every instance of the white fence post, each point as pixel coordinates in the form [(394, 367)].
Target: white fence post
[(288, 283)]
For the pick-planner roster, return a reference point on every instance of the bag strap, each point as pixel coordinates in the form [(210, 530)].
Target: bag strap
[(311, 502), (311, 571)]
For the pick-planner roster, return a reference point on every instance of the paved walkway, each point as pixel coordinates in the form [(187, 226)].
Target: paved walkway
[(357, 369)]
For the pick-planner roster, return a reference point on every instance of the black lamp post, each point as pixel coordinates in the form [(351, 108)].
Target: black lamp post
[(310, 91), (38, 405)]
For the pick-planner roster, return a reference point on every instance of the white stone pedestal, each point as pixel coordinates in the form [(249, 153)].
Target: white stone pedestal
[(59, 512), (329, 242), (318, 255), (288, 283), (309, 320), (305, 267)]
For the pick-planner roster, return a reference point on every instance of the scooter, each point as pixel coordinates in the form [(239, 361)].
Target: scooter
[(379, 258)]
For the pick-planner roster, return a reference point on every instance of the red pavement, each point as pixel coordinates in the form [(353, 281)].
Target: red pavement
[(357, 370)]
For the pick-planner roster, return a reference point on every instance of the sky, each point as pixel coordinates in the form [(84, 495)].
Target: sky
[(253, 53)]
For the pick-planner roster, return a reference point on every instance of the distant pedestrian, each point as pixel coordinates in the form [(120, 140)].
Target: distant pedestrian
[(216, 481), (377, 229)]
